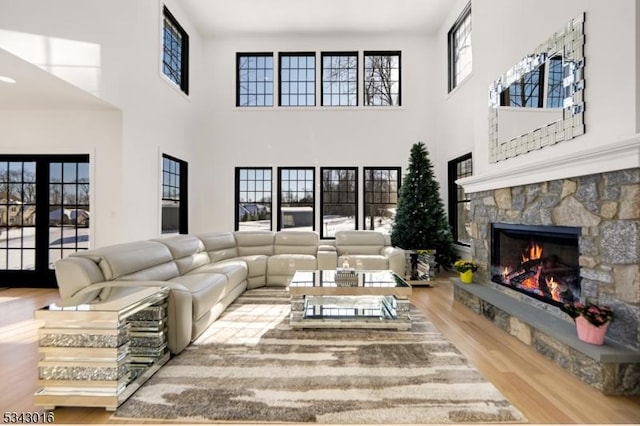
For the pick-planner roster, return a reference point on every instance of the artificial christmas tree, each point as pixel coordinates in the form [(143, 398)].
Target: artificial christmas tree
[(420, 221)]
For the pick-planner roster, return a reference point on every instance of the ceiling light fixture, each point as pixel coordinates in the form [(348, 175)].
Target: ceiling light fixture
[(7, 79)]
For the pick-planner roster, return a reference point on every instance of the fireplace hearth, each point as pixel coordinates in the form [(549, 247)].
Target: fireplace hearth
[(540, 261)]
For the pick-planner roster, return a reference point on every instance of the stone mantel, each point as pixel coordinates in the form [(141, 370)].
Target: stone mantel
[(611, 157)]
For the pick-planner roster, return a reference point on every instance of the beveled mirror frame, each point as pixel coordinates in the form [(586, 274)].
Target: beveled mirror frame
[(569, 42)]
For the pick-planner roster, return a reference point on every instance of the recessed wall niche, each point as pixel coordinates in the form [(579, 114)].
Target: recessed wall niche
[(540, 100)]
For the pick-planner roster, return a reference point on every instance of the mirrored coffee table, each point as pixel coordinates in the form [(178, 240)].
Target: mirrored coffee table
[(363, 299)]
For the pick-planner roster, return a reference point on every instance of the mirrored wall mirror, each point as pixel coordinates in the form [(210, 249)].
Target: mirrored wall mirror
[(540, 100)]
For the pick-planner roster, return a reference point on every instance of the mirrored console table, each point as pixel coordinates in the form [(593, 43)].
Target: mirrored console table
[(97, 355)]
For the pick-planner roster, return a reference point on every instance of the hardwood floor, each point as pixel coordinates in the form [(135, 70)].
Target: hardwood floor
[(542, 391)]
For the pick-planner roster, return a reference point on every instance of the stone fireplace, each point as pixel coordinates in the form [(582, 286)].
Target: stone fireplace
[(540, 261), (597, 253), (606, 208)]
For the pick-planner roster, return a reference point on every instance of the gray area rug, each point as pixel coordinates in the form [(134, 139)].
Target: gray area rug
[(250, 367)]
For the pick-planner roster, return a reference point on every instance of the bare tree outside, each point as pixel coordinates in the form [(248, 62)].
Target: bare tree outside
[(382, 79), (340, 79), (381, 197), (339, 200)]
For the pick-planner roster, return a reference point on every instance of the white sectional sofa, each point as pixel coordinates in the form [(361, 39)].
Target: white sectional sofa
[(207, 272)]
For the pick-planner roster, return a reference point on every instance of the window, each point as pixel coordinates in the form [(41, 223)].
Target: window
[(175, 52), (338, 200), (297, 79), (174, 195), (382, 78), (381, 187), (460, 63), (253, 198), (296, 198), (69, 213), (459, 203), (44, 215), (254, 79), (340, 79)]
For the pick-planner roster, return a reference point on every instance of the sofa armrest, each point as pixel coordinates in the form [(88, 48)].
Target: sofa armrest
[(397, 261), (179, 309)]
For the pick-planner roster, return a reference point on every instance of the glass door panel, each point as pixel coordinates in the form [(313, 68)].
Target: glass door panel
[(17, 215), (69, 213)]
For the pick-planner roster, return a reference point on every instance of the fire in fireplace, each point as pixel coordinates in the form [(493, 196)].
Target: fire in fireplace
[(540, 261)]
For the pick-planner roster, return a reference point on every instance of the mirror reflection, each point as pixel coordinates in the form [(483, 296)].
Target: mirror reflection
[(539, 88), (538, 101)]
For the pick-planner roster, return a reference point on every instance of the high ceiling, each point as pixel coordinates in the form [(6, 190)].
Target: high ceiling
[(217, 17)]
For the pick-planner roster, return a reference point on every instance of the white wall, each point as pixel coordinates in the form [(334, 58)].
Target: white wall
[(503, 32), (307, 136), (97, 133), (156, 117), (213, 136)]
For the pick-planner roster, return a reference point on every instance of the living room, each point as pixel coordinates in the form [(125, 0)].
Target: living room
[(90, 83)]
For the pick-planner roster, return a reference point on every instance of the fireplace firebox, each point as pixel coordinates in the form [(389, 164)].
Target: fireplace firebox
[(540, 261)]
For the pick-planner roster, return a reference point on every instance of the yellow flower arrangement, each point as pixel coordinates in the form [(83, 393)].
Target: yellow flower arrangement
[(462, 265)]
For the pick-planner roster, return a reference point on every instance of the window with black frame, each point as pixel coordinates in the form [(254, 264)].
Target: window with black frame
[(460, 57), (297, 79), (253, 198), (174, 195), (338, 200), (381, 186), (339, 78), (175, 52), (381, 78), (459, 202), (254, 80), (296, 198)]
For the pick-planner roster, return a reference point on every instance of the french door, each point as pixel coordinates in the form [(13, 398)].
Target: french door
[(44, 215)]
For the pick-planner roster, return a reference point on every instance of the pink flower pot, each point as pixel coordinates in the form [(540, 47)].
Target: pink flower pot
[(590, 333)]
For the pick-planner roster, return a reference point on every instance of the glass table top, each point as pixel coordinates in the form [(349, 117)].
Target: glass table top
[(360, 282)]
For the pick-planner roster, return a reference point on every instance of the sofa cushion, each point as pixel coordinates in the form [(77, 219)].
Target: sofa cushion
[(236, 271), (187, 250), (219, 245), (123, 259), (206, 290), (257, 266), (296, 242), (251, 243), (359, 242), (163, 272), (281, 267)]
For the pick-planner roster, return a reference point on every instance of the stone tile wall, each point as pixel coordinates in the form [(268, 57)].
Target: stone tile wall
[(607, 207)]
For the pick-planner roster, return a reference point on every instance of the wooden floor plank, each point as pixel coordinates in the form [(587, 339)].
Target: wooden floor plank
[(542, 391)]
